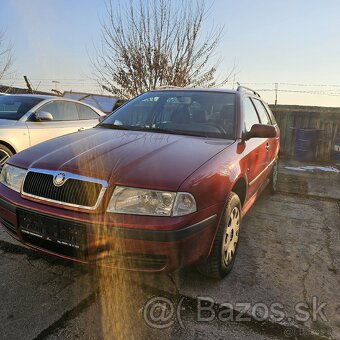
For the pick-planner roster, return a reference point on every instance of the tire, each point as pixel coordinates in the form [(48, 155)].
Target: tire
[(274, 178), (222, 257), (5, 153)]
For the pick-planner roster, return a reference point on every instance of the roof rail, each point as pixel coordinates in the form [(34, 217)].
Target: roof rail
[(244, 88), (164, 87)]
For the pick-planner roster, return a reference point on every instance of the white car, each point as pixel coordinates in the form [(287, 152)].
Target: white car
[(26, 120)]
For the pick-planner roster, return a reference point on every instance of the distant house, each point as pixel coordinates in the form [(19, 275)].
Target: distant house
[(18, 90), (106, 104)]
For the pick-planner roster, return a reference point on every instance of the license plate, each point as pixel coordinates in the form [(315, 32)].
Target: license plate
[(48, 228)]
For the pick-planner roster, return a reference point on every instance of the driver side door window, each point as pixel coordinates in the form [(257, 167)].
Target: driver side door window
[(65, 120)]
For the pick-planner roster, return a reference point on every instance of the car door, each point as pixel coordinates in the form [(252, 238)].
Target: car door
[(88, 118), (272, 143), (65, 120), (255, 149)]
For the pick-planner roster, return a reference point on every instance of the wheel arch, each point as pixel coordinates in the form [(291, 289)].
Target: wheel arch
[(240, 188), (9, 146)]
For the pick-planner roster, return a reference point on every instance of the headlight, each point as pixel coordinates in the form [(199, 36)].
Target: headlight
[(12, 177), (137, 201)]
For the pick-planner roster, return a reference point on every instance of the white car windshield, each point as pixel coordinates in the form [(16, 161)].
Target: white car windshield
[(14, 107)]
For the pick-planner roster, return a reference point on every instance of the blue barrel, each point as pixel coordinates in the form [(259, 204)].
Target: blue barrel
[(305, 144), (336, 150)]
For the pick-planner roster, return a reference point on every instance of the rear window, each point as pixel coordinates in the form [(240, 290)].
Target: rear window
[(14, 107)]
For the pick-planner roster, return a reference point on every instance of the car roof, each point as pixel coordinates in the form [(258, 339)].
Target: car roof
[(40, 96), (196, 89), (47, 98), (241, 92)]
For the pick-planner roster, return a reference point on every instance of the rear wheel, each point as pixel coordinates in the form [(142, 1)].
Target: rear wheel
[(222, 256), (274, 177), (5, 153)]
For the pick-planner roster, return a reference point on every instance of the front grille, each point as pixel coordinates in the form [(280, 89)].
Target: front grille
[(74, 191), (60, 236)]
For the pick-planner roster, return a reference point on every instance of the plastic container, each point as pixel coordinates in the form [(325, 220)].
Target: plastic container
[(305, 144), (336, 149)]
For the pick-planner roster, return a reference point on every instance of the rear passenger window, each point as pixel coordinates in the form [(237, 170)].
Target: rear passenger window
[(86, 113), (61, 110), (264, 117), (250, 115)]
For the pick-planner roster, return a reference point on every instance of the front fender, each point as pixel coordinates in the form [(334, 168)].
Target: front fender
[(17, 138), (212, 182)]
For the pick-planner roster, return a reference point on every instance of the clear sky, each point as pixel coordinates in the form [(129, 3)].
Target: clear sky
[(293, 42)]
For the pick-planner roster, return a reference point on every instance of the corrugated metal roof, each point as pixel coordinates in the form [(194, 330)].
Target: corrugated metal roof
[(102, 102)]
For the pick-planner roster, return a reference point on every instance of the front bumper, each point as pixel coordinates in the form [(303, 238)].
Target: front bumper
[(114, 243)]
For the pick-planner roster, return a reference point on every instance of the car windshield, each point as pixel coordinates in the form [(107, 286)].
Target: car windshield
[(14, 107), (198, 113)]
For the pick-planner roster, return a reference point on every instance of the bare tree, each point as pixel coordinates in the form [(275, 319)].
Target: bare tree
[(6, 56), (151, 43)]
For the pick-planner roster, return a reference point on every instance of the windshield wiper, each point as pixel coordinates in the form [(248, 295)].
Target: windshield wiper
[(114, 126), (153, 129), (174, 132)]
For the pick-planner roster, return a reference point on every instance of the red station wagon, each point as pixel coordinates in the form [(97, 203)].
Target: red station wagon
[(161, 183)]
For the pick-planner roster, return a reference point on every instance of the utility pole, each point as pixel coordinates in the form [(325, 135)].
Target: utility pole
[(276, 89), (28, 84)]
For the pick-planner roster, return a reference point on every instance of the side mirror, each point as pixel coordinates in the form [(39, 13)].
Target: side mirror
[(261, 131), (43, 116)]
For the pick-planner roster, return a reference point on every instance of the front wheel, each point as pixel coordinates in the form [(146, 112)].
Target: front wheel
[(222, 257)]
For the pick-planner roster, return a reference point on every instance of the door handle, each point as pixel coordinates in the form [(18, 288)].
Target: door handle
[(81, 129), (267, 146)]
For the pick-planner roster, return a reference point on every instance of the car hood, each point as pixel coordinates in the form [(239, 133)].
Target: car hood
[(131, 158)]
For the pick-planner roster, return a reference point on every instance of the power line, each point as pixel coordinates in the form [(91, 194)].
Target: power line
[(336, 94), (294, 84), (331, 90)]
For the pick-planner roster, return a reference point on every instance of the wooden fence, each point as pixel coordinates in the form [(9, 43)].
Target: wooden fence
[(327, 119)]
